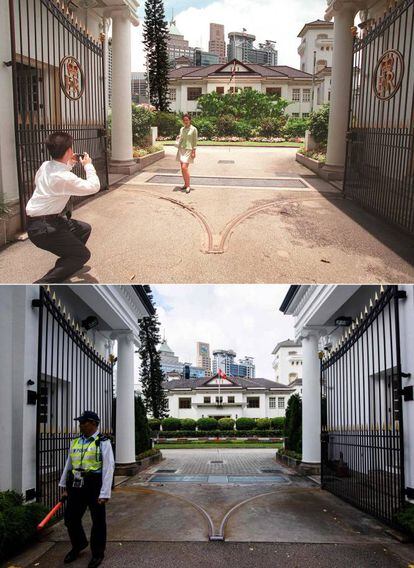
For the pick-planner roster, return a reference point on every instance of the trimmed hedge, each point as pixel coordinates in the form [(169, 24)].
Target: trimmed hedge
[(154, 424), (278, 423), (148, 453), (245, 423), (18, 523), (226, 424), (188, 424), (263, 424), (171, 424), (206, 423), (220, 433)]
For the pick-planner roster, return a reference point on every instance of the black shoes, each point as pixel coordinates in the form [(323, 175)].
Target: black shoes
[(95, 561), (73, 554)]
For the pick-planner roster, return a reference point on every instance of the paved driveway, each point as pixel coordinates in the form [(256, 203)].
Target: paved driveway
[(261, 218), (287, 523)]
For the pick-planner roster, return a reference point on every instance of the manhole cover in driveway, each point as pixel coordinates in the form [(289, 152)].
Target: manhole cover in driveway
[(270, 470), (225, 162), (276, 183), (217, 461), (166, 470), (167, 171)]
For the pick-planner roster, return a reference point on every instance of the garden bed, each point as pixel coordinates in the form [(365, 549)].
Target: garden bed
[(298, 465), (147, 160), (148, 460), (310, 163), (241, 143)]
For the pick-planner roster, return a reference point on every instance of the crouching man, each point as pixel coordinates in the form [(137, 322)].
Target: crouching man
[(47, 226), (87, 480)]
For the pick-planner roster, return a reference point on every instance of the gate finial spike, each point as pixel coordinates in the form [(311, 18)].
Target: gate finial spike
[(54, 297), (370, 304), (366, 311), (382, 289)]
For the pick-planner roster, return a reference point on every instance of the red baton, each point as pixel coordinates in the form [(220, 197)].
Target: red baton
[(50, 514)]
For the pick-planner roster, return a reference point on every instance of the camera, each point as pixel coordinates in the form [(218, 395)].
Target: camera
[(78, 156)]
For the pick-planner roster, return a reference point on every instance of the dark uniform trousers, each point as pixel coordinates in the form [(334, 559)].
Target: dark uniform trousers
[(77, 503), (66, 238)]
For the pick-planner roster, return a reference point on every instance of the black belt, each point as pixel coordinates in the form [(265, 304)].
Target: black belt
[(46, 217)]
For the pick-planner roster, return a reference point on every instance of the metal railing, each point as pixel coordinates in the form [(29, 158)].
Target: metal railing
[(362, 424), (380, 144), (71, 377), (58, 84)]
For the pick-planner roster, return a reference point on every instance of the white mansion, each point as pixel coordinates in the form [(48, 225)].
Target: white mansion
[(187, 84), (233, 397)]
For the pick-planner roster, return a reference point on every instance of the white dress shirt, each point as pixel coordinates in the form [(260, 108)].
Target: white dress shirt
[(108, 466), (55, 183)]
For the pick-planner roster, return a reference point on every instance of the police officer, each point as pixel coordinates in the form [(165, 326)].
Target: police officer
[(87, 480)]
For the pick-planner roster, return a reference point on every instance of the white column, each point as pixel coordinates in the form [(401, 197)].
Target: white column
[(311, 414), (341, 83), (121, 135), (125, 414)]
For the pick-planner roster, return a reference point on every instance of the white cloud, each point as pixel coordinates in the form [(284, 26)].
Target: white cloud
[(245, 318), (267, 19)]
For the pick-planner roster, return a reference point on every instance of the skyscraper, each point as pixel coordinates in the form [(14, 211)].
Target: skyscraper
[(217, 43), (224, 359), (241, 47), (203, 357)]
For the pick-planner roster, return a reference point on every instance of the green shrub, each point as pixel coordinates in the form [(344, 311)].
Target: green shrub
[(278, 423), (142, 430), (226, 125), (18, 523), (206, 126), (188, 424), (242, 128), (245, 423), (168, 123), (148, 453), (295, 127), (206, 424), (154, 424), (171, 424), (318, 124), (293, 424), (226, 424), (141, 122), (221, 433), (405, 518), (270, 126), (263, 424)]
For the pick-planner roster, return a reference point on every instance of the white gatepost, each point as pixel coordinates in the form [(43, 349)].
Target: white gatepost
[(121, 131), (125, 407), (344, 16), (311, 414)]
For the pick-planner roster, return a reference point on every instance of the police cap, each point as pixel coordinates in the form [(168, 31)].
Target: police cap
[(88, 415)]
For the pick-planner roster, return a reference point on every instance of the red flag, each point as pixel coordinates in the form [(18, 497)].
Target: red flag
[(221, 374)]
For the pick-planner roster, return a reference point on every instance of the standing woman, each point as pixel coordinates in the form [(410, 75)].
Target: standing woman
[(187, 143)]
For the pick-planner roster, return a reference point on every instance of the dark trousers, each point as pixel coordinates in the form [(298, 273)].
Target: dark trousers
[(77, 503), (66, 238)]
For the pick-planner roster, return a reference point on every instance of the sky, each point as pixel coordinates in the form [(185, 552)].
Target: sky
[(245, 318), (277, 20)]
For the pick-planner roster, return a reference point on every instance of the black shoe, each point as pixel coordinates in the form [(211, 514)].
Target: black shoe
[(95, 561), (73, 554)]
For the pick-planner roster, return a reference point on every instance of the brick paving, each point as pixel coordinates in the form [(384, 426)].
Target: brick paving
[(201, 462)]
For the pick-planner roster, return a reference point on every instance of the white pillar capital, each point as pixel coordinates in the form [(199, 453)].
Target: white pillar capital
[(121, 12)]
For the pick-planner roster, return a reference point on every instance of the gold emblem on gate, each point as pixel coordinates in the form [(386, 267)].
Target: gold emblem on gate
[(71, 78), (388, 75)]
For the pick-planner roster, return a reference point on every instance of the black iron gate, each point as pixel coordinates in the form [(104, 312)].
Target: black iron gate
[(58, 84), (71, 377), (380, 146), (362, 422)]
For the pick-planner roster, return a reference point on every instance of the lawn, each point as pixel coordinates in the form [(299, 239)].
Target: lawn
[(245, 143), (214, 444)]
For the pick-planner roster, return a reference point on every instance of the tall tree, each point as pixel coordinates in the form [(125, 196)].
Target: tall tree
[(142, 429), (151, 373), (155, 41)]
